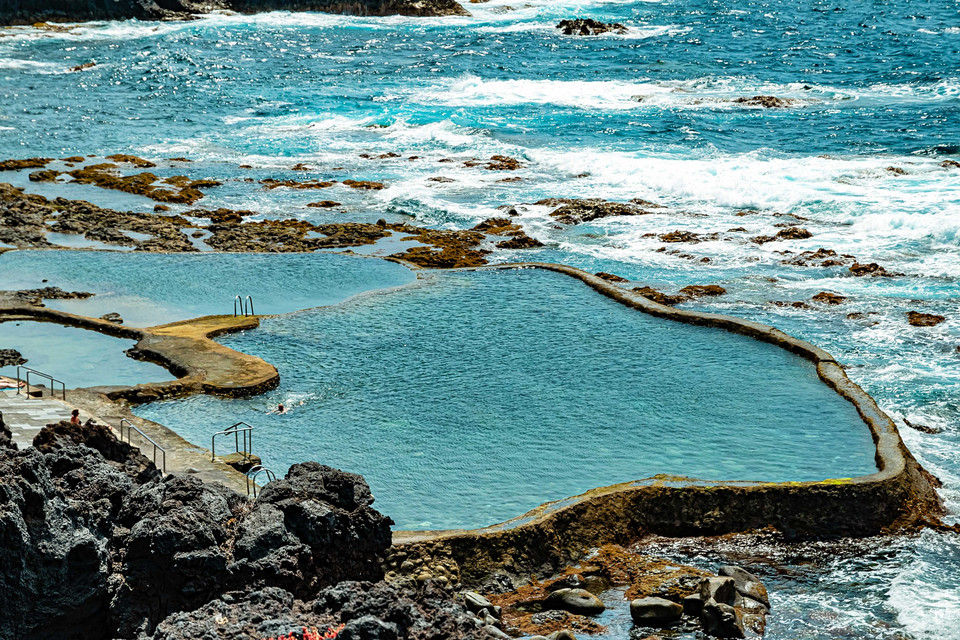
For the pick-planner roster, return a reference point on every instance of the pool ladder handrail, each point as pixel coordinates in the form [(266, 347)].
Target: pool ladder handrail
[(236, 431), (245, 306), (63, 387), (252, 478), (156, 446)]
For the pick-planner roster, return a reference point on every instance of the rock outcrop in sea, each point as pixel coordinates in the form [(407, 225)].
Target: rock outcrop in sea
[(13, 12), (97, 544)]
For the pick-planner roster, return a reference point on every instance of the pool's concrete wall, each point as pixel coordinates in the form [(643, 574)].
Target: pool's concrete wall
[(186, 349), (901, 495)]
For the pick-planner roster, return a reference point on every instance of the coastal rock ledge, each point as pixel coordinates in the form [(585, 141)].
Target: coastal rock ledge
[(95, 543), (26, 12)]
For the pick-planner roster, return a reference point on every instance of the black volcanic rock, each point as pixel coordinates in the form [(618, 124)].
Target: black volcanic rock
[(6, 436), (589, 27), (56, 512), (356, 7), (310, 530), (36, 11), (94, 544), (359, 610), (33, 11)]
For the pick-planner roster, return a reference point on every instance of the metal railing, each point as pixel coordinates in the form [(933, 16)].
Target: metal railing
[(63, 387), (252, 478), (238, 430), (156, 447), (243, 306)]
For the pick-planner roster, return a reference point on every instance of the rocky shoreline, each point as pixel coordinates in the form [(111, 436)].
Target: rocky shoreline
[(31, 12), (99, 544)]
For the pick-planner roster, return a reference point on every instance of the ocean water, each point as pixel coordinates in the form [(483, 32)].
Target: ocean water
[(647, 115), (475, 397)]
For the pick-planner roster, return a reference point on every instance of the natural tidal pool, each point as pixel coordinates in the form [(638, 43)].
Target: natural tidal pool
[(472, 397), (149, 289), (78, 357)]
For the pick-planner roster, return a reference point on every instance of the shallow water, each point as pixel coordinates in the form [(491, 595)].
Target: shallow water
[(151, 289), (475, 397), (877, 85), (77, 357)]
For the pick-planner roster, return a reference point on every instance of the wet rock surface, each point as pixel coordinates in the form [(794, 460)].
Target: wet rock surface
[(767, 102), (918, 319), (576, 211), (26, 218), (662, 594), (34, 11), (11, 358), (589, 27), (97, 544)]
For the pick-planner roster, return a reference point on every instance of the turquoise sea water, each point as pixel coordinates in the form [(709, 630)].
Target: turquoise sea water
[(647, 115), (472, 398)]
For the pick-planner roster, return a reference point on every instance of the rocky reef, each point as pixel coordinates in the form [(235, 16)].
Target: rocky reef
[(97, 544), (37, 11), (25, 220)]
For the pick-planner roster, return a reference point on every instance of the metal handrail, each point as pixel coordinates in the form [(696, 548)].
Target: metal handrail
[(235, 429), (245, 308), (252, 477), (63, 387), (156, 446)]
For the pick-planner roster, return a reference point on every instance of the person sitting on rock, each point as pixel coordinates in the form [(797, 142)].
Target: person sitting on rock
[(75, 417)]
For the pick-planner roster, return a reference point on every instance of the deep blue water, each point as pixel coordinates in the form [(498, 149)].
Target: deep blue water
[(475, 397), (875, 85)]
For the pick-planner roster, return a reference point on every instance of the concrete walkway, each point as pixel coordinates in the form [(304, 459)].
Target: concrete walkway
[(26, 417)]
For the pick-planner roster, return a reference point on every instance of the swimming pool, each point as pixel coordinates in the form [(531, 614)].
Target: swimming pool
[(78, 357), (149, 289), (472, 397)]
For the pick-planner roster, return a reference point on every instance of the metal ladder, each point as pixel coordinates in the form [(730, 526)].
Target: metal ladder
[(243, 306), (156, 447), (63, 387), (238, 430), (252, 478)]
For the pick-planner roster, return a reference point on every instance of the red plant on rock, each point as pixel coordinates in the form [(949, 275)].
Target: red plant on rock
[(311, 634)]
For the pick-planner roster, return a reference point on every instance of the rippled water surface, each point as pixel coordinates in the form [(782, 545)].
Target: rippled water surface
[(150, 289), (474, 398), (77, 357), (873, 85)]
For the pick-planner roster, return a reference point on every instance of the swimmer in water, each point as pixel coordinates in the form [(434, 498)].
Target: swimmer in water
[(281, 408)]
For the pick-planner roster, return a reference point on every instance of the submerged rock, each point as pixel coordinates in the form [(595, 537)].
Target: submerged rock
[(918, 319), (610, 277), (655, 612), (871, 269), (520, 240), (767, 102), (829, 298), (578, 601), (658, 296), (703, 290), (577, 211)]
